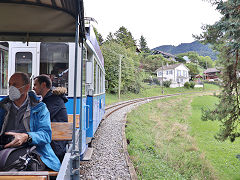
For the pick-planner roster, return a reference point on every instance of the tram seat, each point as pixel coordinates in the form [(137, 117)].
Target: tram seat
[(60, 132)]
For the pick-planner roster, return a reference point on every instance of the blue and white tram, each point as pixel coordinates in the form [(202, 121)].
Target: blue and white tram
[(57, 60)]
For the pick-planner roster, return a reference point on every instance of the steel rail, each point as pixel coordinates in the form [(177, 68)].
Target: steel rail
[(123, 104)]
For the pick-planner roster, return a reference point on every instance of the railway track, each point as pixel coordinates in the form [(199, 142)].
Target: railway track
[(118, 106), (110, 159), (113, 108)]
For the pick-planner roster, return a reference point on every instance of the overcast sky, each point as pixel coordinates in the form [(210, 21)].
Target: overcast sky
[(161, 22)]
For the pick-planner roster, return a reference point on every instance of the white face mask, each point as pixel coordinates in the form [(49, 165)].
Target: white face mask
[(14, 93)]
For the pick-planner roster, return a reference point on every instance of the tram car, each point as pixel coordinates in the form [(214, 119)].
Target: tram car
[(73, 60), (56, 59)]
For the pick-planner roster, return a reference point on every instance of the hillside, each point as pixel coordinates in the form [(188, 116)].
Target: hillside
[(201, 49)]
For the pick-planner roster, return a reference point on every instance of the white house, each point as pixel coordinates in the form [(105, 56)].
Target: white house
[(178, 74)]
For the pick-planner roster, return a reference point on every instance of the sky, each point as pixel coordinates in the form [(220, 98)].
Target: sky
[(161, 22)]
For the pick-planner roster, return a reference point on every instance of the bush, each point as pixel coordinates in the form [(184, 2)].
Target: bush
[(187, 85), (156, 81), (192, 84), (167, 84)]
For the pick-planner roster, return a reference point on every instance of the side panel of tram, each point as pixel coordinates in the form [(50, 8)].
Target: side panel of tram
[(57, 61)]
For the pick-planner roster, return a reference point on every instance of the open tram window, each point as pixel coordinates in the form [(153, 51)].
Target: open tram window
[(3, 68), (54, 61)]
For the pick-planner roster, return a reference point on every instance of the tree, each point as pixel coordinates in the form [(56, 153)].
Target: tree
[(125, 38), (204, 62), (180, 59), (152, 62), (225, 36), (143, 45), (193, 69), (110, 38), (98, 36), (131, 76)]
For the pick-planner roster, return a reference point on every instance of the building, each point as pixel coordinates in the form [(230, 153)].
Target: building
[(211, 73), (178, 74), (166, 55)]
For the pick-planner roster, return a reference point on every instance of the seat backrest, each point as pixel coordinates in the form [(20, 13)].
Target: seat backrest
[(61, 131), (26, 175)]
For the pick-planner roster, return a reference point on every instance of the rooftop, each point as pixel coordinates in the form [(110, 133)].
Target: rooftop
[(211, 70), (172, 66)]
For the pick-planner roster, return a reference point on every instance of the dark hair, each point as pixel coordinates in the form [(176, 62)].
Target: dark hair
[(44, 78), (25, 77)]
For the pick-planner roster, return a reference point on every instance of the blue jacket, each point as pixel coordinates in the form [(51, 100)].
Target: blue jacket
[(40, 130)]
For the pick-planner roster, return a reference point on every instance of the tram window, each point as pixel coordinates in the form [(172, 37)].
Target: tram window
[(23, 62), (54, 61), (99, 79), (101, 86), (95, 69), (84, 71), (3, 68), (96, 79), (103, 82)]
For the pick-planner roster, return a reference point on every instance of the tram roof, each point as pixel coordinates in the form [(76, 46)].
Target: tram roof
[(40, 20)]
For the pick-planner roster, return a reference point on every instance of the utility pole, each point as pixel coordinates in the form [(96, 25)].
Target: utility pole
[(162, 78), (119, 76)]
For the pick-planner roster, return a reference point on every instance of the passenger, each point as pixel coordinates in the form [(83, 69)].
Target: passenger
[(54, 99), (27, 119)]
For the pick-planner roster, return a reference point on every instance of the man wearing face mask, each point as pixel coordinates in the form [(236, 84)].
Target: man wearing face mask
[(27, 119)]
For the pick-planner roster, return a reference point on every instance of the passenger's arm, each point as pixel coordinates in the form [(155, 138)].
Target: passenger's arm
[(41, 132)]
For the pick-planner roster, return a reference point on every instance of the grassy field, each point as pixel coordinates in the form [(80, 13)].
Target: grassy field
[(168, 140), (221, 155), (149, 91)]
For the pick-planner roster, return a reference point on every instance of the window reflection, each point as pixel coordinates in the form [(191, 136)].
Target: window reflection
[(23, 62), (3, 68), (54, 61)]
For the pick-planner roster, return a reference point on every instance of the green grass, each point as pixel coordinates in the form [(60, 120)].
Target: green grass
[(160, 146), (222, 155), (149, 91), (168, 140)]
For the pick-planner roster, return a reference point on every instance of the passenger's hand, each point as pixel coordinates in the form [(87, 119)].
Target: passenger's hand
[(19, 139)]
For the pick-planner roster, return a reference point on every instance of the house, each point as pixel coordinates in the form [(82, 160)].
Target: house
[(211, 73), (178, 74), (166, 55), (198, 76)]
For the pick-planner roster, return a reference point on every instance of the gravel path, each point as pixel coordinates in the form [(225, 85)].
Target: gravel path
[(108, 159)]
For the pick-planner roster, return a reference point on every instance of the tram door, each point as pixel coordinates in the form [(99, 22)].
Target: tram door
[(24, 59)]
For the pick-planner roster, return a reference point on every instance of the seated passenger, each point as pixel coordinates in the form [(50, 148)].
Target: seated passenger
[(55, 103), (27, 119)]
